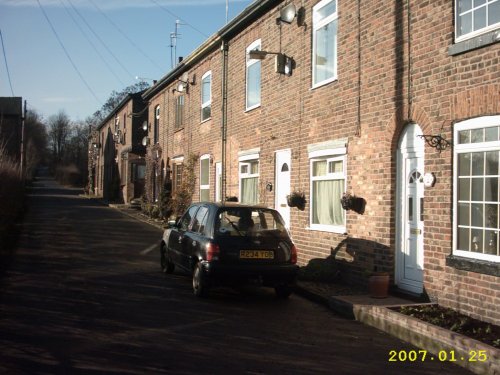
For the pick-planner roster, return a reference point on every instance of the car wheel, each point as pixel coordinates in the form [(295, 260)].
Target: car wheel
[(200, 284), (166, 265), (283, 291)]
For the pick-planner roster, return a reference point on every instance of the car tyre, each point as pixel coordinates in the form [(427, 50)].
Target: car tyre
[(283, 291), (200, 283), (166, 264)]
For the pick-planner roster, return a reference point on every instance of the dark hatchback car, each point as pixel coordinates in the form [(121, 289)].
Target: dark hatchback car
[(231, 244)]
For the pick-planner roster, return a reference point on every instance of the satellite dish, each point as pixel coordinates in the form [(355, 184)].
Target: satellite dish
[(185, 77), (145, 125), (288, 13)]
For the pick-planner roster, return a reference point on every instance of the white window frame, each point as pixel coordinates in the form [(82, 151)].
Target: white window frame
[(218, 182), (205, 186), (476, 123), (248, 159), (207, 102), (316, 26), (473, 33), (256, 45), (329, 155)]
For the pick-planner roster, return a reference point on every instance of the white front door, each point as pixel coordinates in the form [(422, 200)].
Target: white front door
[(218, 181), (282, 184), (410, 252)]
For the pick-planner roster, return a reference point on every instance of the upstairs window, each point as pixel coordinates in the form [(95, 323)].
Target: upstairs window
[(252, 77), (474, 17), (325, 20), (156, 128), (179, 112), (206, 96)]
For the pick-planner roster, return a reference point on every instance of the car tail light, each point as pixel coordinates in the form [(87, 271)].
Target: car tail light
[(212, 251), (293, 254)]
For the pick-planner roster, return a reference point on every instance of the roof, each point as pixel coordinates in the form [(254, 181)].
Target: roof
[(118, 108)]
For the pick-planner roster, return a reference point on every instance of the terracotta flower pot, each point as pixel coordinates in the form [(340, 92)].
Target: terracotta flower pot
[(378, 285)]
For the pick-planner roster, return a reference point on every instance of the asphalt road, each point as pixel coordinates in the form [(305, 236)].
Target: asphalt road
[(85, 295)]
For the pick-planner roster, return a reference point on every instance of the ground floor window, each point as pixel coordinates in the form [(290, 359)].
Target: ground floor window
[(249, 178), (328, 183), (476, 188), (177, 176), (205, 178)]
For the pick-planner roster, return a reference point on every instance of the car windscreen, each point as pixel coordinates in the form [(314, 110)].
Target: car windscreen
[(237, 221)]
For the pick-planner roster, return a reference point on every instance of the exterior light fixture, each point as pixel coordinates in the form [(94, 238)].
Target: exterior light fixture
[(145, 126), (145, 141), (283, 64), (287, 14)]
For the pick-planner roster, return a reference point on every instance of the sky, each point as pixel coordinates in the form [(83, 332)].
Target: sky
[(70, 55)]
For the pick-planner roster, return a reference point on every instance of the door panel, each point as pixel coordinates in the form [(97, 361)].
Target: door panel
[(414, 225), (282, 184)]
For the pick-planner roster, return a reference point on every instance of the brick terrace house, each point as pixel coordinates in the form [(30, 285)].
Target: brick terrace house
[(117, 162), (397, 103)]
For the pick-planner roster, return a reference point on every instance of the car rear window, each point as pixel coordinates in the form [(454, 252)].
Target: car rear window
[(238, 221)]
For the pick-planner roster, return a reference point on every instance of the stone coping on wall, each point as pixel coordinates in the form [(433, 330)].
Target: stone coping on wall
[(438, 342)]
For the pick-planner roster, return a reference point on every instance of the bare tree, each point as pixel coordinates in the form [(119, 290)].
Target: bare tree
[(36, 142), (59, 132)]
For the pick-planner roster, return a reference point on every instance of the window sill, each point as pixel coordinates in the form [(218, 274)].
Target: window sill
[(473, 265), (252, 108), (324, 83), (337, 230), (178, 129), (474, 43)]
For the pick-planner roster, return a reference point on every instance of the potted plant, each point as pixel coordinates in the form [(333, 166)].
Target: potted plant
[(297, 199), (352, 202)]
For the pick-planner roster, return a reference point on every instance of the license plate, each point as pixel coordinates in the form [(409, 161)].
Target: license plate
[(256, 254)]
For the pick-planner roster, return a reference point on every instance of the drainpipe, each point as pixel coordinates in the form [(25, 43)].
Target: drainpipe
[(224, 50), (410, 98)]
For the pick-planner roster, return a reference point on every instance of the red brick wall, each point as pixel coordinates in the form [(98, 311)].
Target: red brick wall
[(445, 89)]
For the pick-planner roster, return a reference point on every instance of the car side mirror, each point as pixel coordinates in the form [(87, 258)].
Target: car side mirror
[(172, 224)]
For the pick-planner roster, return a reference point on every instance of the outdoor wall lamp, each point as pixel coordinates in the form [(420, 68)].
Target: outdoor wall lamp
[(283, 63)]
